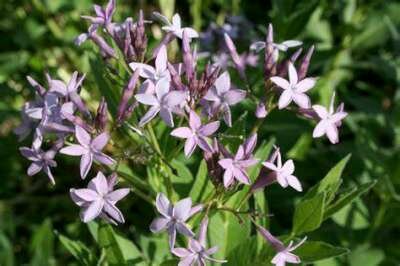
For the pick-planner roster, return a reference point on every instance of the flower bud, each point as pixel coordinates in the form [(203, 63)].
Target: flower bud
[(101, 117), (127, 95)]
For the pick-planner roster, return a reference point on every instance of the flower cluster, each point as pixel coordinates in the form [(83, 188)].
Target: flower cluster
[(169, 88)]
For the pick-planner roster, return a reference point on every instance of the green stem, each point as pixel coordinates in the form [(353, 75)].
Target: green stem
[(144, 196), (245, 198)]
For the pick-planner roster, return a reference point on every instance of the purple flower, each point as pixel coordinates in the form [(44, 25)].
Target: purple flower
[(99, 199), (261, 111), (222, 96), (103, 16), (283, 46), (27, 124), (105, 49), (126, 96), (173, 217), (197, 251), (329, 121), (221, 60), (51, 114), (284, 254), (89, 149), (162, 102), (175, 27), (235, 168), (160, 72), (196, 134), (70, 91), (283, 173), (237, 61), (294, 90), (41, 160)]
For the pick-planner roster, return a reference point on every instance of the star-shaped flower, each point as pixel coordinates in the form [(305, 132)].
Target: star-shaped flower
[(283, 173), (163, 102), (99, 199), (294, 90), (197, 251), (89, 149), (196, 134), (284, 254), (103, 16), (175, 27), (235, 168), (329, 121), (160, 72), (70, 91), (41, 160), (173, 217), (283, 46), (222, 96)]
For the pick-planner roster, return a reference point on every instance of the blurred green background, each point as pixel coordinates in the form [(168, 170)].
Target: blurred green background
[(357, 54)]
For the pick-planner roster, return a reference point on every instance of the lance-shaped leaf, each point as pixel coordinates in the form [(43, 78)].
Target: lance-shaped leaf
[(309, 214)]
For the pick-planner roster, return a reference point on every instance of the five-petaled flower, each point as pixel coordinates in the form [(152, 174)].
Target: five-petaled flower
[(235, 168), (41, 160), (173, 217), (330, 121), (196, 134), (103, 16), (284, 254), (283, 173), (162, 102), (175, 27), (294, 90), (157, 73), (89, 149), (221, 96), (197, 251), (99, 199)]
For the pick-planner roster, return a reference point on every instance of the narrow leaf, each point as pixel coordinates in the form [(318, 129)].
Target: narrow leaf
[(308, 214), (312, 251), (330, 183), (347, 198)]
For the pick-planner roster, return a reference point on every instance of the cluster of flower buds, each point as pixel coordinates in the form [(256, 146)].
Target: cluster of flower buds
[(200, 97)]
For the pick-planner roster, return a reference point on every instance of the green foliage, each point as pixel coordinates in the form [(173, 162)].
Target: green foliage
[(309, 214), (312, 251), (353, 208), (77, 249)]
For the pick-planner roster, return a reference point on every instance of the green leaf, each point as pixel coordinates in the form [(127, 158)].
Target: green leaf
[(107, 240), (93, 229), (183, 173), (347, 198), (43, 245), (366, 256), (130, 252), (171, 262), (312, 251), (155, 248), (226, 232), (234, 135), (77, 249), (202, 187), (104, 86), (308, 214), (301, 148), (353, 216), (6, 251), (330, 183), (244, 254)]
